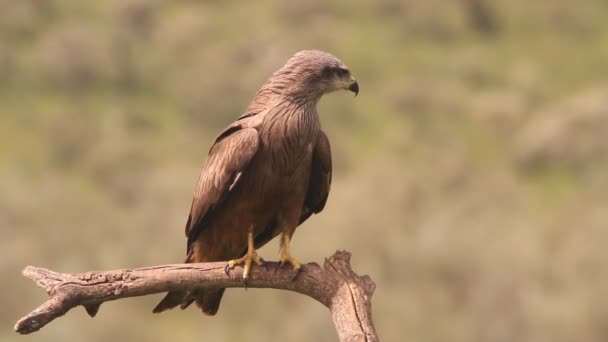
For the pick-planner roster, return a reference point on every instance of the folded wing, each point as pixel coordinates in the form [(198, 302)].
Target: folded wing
[(320, 178), (228, 160)]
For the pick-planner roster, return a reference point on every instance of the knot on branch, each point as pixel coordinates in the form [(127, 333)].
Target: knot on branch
[(44, 278), (340, 264)]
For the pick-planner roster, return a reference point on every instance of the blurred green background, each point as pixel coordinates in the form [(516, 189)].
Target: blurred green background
[(470, 177)]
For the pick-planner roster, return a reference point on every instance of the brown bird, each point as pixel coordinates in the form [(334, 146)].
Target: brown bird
[(266, 173)]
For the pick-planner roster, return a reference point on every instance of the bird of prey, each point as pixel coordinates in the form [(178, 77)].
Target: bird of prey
[(266, 173)]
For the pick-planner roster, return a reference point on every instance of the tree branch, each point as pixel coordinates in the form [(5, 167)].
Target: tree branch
[(347, 295)]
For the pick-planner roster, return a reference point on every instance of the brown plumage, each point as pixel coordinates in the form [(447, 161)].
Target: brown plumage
[(266, 173)]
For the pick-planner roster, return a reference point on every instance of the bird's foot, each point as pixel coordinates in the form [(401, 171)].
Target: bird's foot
[(286, 257), (285, 252), (247, 260)]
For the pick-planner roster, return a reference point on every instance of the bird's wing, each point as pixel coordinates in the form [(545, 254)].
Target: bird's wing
[(320, 178), (228, 159)]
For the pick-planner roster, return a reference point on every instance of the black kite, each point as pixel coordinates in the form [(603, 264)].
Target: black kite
[(266, 173)]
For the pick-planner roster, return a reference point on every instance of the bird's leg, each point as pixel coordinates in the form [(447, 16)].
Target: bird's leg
[(251, 256), (286, 253)]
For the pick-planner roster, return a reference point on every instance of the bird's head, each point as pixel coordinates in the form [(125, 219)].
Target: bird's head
[(312, 73)]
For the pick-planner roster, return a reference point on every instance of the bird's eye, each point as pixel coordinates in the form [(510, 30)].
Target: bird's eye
[(341, 72), (326, 72)]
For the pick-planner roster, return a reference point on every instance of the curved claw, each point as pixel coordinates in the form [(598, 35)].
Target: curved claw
[(247, 260), (295, 265), (296, 273), (297, 268), (250, 257)]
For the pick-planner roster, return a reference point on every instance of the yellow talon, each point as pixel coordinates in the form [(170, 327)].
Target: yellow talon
[(251, 256), (286, 254)]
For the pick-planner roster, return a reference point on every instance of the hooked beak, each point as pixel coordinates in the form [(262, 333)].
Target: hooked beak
[(354, 87)]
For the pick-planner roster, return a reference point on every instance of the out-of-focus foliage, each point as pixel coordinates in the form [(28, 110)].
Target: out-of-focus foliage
[(471, 173)]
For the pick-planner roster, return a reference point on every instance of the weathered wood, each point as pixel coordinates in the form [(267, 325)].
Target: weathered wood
[(347, 295)]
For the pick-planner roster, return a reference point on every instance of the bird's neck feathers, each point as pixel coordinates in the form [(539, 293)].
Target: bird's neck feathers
[(286, 86)]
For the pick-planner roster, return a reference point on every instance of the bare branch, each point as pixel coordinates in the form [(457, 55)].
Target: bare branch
[(347, 295)]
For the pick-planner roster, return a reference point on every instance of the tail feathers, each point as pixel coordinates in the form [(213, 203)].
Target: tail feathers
[(171, 300), (207, 300)]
